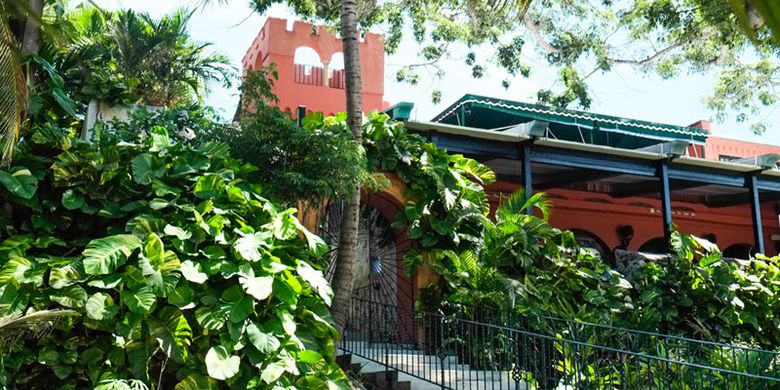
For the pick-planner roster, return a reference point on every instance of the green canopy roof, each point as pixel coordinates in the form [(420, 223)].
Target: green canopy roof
[(571, 125)]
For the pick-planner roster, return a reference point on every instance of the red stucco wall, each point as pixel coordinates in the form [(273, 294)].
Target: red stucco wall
[(601, 215), (274, 44)]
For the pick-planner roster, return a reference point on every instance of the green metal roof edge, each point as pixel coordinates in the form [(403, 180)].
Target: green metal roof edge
[(576, 117)]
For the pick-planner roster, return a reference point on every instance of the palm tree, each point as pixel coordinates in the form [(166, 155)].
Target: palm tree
[(13, 88), (347, 258)]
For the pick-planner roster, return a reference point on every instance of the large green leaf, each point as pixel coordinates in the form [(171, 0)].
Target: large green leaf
[(249, 245), (191, 271), (172, 332), (260, 287), (196, 381), (265, 342), (272, 372), (66, 275), (140, 300), (73, 297), (101, 307), (72, 200), (220, 364), (316, 280), (145, 168), (209, 186), (19, 182), (103, 255)]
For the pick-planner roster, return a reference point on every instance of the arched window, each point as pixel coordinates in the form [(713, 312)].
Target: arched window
[(740, 251), (336, 71), (308, 66), (655, 245), (587, 239)]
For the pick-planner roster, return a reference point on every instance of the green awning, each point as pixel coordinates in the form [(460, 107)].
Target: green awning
[(570, 125)]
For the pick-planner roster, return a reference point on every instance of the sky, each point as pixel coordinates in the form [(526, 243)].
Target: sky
[(622, 92)]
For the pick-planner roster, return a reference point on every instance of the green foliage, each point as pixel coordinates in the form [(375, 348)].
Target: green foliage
[(125, 57), (699, 293), (576, 40), (448, 205), (309, 163), (184, 275)]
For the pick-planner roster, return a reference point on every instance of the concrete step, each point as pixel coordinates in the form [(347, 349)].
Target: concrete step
[(460, 373)]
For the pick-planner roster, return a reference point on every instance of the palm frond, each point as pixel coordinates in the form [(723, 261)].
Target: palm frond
[(36, 324), (519, 202), (13, 91)]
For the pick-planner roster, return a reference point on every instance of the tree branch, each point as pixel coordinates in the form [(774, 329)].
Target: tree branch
[(536, 32), (649, 59)]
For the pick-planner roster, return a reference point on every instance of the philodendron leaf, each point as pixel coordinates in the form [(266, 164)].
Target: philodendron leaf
[(19, 182), (172, 332), (316, 280), (73, 297), (209, 186), (259, 287), (220, 364), (140, 300), (103, 255), (145, 169), (191, 272), (101, 307), (195, 381), (249, 245), (266, 343), (177, 232), (72, 200), (272, 372)]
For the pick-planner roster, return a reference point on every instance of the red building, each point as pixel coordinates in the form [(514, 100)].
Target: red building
[(605, 173), (311, 66)]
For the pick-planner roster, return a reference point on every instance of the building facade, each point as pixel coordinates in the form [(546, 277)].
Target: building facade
[(615, 182)]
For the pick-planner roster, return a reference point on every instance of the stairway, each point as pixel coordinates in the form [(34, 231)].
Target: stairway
[(409, 368)]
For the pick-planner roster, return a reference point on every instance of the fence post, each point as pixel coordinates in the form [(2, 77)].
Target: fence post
[(386, 340), (441, 355)]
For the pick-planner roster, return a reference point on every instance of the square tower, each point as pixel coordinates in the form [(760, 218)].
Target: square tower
[(310, 63)]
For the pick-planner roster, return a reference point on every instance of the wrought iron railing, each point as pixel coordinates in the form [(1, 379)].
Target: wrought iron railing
[(458, 352)]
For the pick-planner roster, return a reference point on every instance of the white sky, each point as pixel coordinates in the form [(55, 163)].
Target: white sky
[(622, 92)]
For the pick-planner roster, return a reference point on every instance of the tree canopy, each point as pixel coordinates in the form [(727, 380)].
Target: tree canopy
[(579, 39)]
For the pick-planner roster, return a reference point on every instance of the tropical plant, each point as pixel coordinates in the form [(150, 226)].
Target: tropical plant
[(151, 60), (184, 275), (698, 293), (311, 163)]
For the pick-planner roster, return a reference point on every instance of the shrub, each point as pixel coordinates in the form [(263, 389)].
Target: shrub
[(183, 273)]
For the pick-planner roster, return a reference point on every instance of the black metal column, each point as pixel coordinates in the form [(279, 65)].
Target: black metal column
[(525, 157), (755, 208), (666, 201)]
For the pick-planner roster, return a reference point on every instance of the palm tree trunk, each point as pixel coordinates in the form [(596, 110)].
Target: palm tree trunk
[(346, 261), (31, 40)]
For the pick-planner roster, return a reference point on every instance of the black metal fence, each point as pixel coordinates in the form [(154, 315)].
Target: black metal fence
[(461, 352)]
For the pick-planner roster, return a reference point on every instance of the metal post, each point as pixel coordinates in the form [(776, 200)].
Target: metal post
[(755, 208), (525, 157), (386, 340), (666, 201), (441, 354)]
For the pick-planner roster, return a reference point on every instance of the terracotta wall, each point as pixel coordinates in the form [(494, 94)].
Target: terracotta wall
[(601, 215), (275, 44)]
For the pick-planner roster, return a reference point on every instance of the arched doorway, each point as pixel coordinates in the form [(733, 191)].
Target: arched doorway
[(740, 251), (655, 245), (383, 293), (586, 239)]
